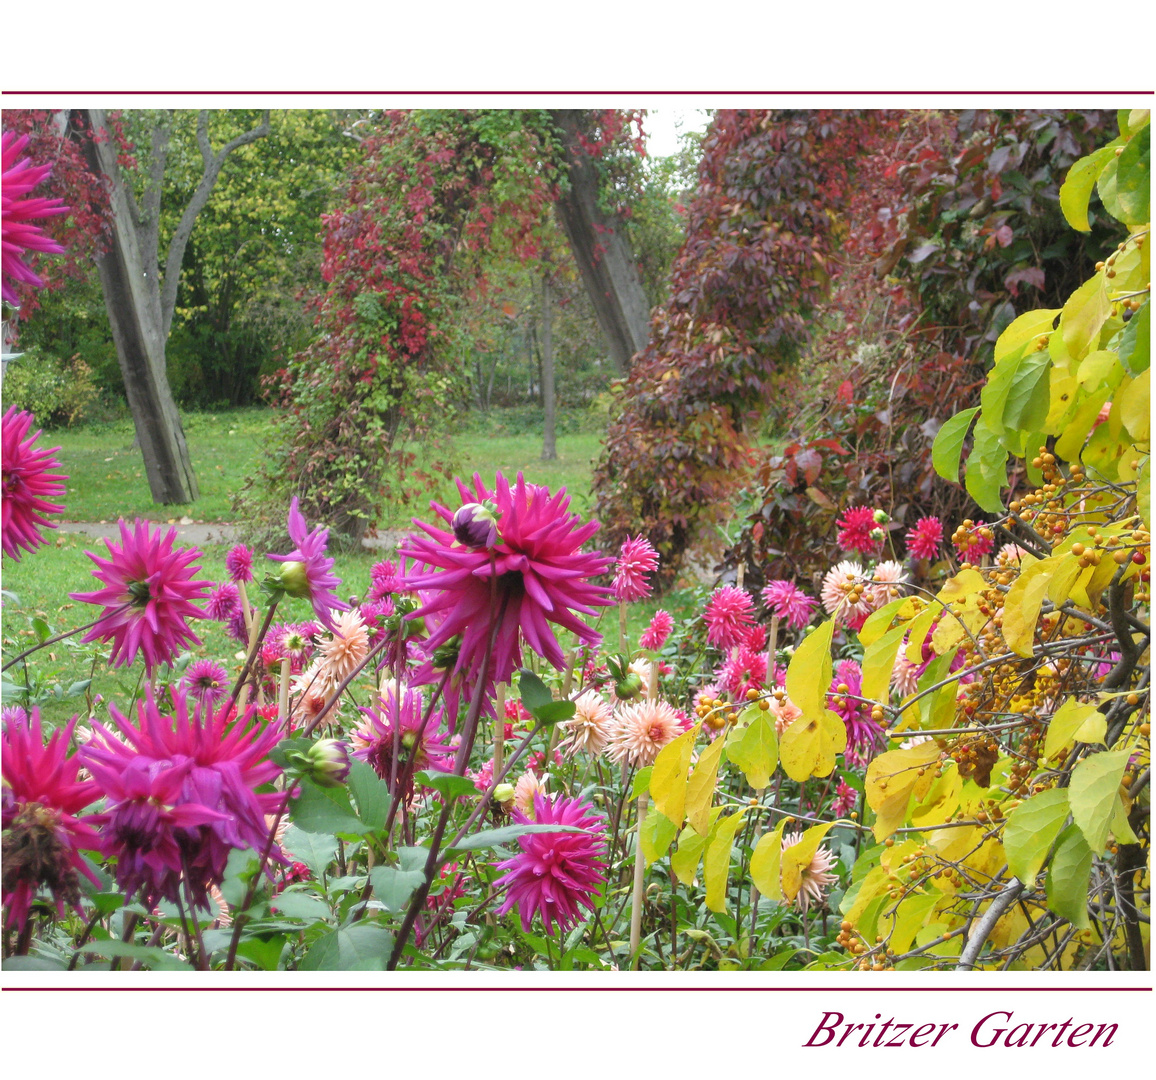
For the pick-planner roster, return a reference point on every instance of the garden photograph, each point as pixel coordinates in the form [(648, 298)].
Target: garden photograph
[(576, 539)]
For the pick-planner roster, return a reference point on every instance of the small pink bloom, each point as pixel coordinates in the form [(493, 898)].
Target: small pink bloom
[(855, 528), (729, 614), (655, 635), (636, 560), (924, 538)]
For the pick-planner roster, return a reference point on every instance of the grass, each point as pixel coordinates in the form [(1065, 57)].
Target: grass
[(107, 481)]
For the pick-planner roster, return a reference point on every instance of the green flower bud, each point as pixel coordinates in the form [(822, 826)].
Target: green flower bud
[(504, 793), (629, 686), (293, 580), (882, 517)]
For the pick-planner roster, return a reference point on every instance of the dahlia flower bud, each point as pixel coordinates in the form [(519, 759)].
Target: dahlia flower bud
[(504, 794), (326, 763), (293, 580), (881, 517), (877, 534), (476, 525), (629, 686)]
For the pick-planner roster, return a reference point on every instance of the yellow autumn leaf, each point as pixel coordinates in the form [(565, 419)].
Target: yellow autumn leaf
[(809, 672), (798, 856), (940, 802), (1022, 605), (1133, 404), (917, 634), (766, 861), (809, 745), (668, 780), (891, 780), (701, 787), (716, 860), (879, 663), (757, 752), (1069, 720), (1084, 316)]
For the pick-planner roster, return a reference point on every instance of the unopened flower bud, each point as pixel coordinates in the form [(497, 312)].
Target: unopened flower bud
[(882, 517), (293, 580), (476, 525), (877, 534), (326, 763), (504, 794), (629, 686)]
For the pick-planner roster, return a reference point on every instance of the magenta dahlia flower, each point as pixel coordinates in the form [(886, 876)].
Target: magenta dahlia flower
[(863, 733), (147, 596), (744, 669), (27, 485), (973, 539), (537, 573), (223, 600), (206, 682), (182, 794), (636, 559), (855, 529), (655, 635), (373, 739), (43, 837), (924, 538), (307, 572), (729, 614), (555, 875), (384, 580), (786, 600), (239, 564), (20, 235)]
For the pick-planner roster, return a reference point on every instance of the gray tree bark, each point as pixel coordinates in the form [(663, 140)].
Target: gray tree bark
[(140, 302), (549, 442), (602, 251)]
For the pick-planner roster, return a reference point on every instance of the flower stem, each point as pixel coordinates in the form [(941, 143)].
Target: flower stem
[(60, 637), (273, 601)]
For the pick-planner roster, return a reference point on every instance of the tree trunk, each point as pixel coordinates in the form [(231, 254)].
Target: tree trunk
[(601, 250), (549, 444), (132, 299)]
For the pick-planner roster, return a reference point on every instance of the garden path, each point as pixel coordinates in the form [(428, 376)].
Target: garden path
[(211, 532)]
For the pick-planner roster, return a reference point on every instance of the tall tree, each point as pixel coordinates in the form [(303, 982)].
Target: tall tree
[(140, 298), (549, 441), (597, 236)]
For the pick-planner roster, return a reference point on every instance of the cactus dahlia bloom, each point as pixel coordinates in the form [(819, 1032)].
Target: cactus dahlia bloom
[(636, 559), (206, 681), (147, 596), (373, 738), (924, 538), (855, 528), (536, 572), (555, 875), (786, 600), (642, 730), (655, 635), (28, 484), (181, 794), (17, 213), (816, 875), (307, 572), (590, 727), (42, 835), (729, 615)]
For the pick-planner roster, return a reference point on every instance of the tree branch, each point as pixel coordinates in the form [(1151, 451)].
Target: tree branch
[(978, 936), (197, 203)]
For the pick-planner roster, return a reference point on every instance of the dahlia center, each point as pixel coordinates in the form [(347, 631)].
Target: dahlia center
[(138, 592)]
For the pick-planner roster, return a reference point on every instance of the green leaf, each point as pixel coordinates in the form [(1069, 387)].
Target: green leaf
[(878, 621), (450, 785), (1031, 827), (1092, 793), (535, 693), (986, 475), (879, 663), (325, 810), (359, 947), (33, 963), (1067, 884), (655, 835), (394, 887), (313, 849), (1077, 188), (1067, 720), (293, 904), (264, 952), (153, 958), (1028, 396), (641, 781), (684, 862), (1133, 178), (1085, 313), (757, 752), (371, 793), (1136, 341), (555, 711), (947, 448), (489, 838)]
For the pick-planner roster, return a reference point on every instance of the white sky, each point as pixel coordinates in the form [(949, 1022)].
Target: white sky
[(663, 126)]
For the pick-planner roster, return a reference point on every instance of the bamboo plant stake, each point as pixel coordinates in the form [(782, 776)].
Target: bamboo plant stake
[(639, 861)]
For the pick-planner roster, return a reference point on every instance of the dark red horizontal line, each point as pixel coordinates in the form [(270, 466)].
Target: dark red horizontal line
[(567, 93), (611, 989)]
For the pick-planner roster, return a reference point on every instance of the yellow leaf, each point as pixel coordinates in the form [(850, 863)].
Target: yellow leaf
[(684, 861), (765, 863), (1063, 578), (878, 621), (798, 857), (917, 634), (892, 778), (879, 663), (701, 787), (1096, 366), (1133, 403), (1019, 331), (757, 752), (940, 803), (668, 780), (1022, 605), (1084, 315), (809, 672), (1068, 720), (809, 745), (716, 860), (1074, 433)]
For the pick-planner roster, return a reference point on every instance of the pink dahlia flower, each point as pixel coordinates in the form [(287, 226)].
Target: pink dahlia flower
[(924, 538), (182, 794), (816, 875), (636, 559), (863, 733), (555, 875), (27, 486), (347, 649), (786, 600), (206, 682), (855, 528), (147, 596), (655, 635), (846, 798), (842, 582), (20, 235), (223, 600), (43, 837), (744, 669), (307, 572), (590, 727), (641, 730), (729, 614), (537, 573), (239, 564), (374, 738)]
